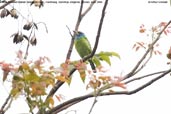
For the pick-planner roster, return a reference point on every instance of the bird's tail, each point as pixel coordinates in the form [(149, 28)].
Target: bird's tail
[(92, 65)]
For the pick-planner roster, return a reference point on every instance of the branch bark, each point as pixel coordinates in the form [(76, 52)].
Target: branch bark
[(144, 76), (7, 3), (2, 111)]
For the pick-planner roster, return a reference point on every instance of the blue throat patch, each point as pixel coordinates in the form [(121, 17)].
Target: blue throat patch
[(79, 36)]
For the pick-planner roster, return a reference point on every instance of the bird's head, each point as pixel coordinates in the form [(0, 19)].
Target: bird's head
[(78, 34)]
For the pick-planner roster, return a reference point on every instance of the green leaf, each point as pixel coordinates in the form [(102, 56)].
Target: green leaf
[(110, 54), (31, 76), (49, 80), (115, 54), (96, 60), (17, 78), (105, 58)]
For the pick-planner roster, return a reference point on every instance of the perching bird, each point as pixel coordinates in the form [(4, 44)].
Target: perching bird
[(83, 47)]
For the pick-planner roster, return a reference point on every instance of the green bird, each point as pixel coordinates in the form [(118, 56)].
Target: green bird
[(83, 47)]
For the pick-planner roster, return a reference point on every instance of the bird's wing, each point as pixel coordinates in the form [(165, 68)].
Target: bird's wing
[(83, 47)]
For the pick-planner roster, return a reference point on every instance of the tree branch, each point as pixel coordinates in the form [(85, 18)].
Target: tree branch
[(7, 3), (2, 111), (145, 54), (89, 8), (94, 102), (145, 76), (98, 32), (145, 63)]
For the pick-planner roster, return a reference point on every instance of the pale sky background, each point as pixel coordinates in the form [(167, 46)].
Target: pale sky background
[(119, 33)]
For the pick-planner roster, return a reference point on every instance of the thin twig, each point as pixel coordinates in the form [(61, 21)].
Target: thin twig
[(69, 31), (28, 44), (89, 8), (97, 93), (94, 102), (148, 59), (145, 63), (144, 76), (44, 25)]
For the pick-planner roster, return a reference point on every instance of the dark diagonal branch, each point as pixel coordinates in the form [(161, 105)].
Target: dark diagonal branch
[(2, 111), (89, 8), (6, 4), (98, 32), (146, 53), (76, 100)]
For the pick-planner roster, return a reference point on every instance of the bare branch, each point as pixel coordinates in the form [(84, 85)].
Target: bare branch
[(7, 3), (89, 8), (98, 32), (2, 111), (28, 45), (146, 53), (44, 25), (69, 31), (79, 17), (94, 102), (142, 66), (145, 76)]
